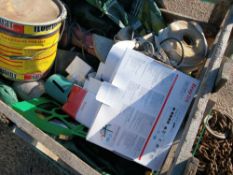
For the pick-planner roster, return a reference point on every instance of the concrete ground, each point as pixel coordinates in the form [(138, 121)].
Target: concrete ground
[(193, 8), (19, 158)]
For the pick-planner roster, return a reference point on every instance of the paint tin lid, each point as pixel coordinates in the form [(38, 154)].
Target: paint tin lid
[(29, 11)]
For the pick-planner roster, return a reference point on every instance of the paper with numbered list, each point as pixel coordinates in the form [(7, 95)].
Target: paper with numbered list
[(142, 108)]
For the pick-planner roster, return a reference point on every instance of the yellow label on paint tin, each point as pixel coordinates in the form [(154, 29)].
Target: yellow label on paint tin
[(28, 49), (41, 30), (24, 58)]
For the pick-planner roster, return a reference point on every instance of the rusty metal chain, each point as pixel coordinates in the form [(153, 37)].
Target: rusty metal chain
[(215, 153)]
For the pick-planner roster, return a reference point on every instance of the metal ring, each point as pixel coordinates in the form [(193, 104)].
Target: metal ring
[(213, 132)]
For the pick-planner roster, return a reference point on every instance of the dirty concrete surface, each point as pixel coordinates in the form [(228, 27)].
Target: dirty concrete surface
[(19, 158), (193, 8)]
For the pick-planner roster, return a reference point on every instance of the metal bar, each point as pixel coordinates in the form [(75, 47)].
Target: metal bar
[(219, 11)]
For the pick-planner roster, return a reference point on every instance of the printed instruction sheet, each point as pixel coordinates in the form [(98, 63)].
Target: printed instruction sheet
[(142, 108)]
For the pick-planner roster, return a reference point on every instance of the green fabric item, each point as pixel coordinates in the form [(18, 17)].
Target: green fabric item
[(113, 10), (8, 95), (143, 13), (92, 19), (150, 16)]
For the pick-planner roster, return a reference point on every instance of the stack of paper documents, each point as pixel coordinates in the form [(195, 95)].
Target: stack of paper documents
[(142, 104)]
